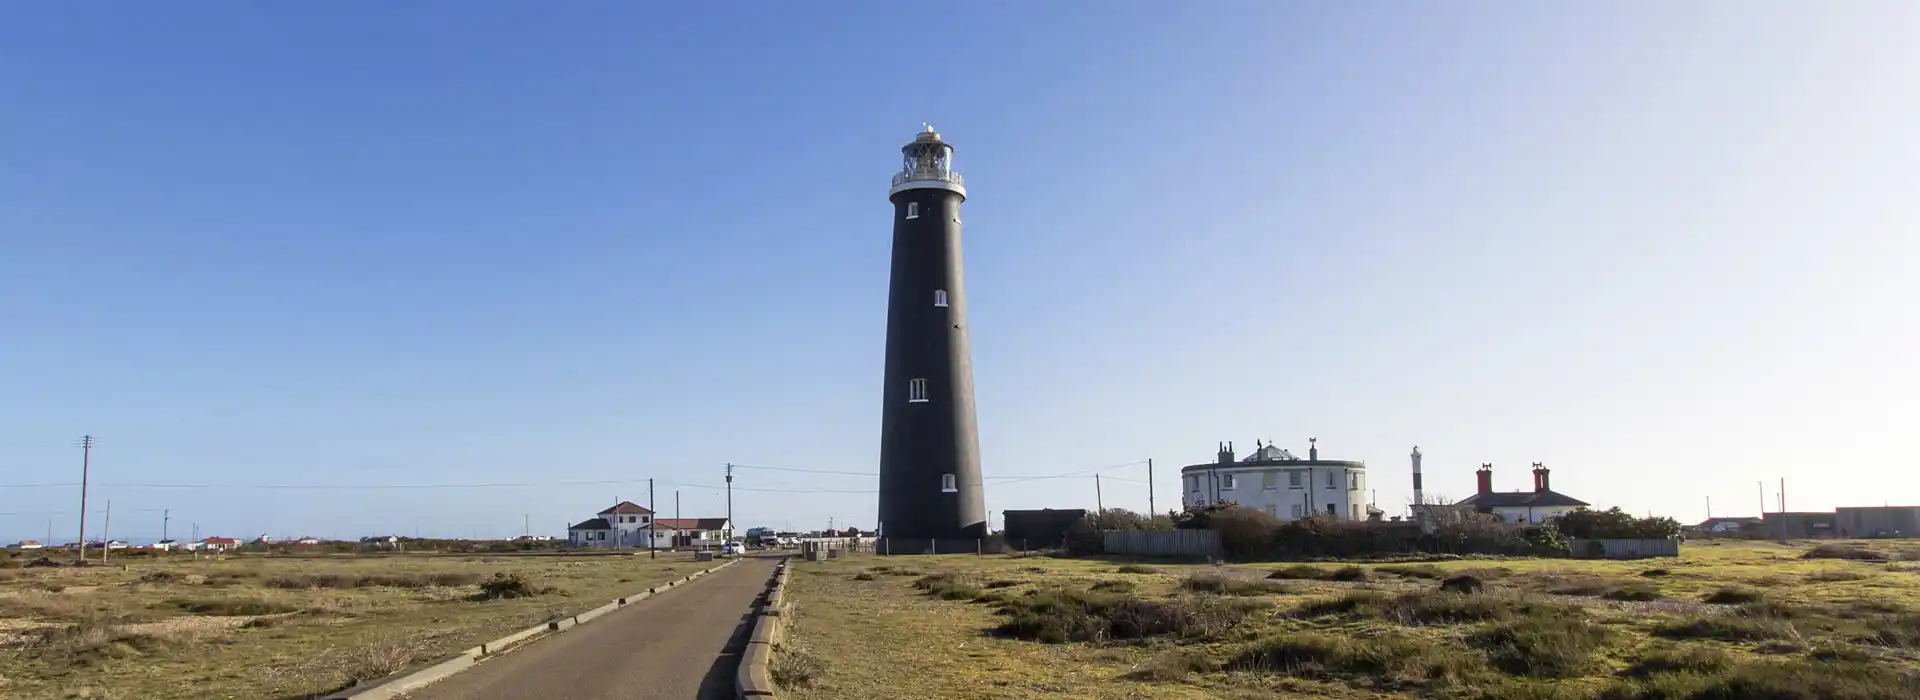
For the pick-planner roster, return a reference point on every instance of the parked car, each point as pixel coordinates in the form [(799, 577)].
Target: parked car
[(730, 549)]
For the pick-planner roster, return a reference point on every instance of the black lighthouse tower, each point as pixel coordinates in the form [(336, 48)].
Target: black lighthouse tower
[(929, 444)]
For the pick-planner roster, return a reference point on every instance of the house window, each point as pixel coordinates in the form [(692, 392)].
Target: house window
[(917, 391), (1332, 511), (601, 535), (1353, 481), (1296, 511), (1270, 480), (1193, 484), (1227, 482), (948, 484), (1293, 481), (1273, 511), (1333, 480), (940, 298), (913, 210)]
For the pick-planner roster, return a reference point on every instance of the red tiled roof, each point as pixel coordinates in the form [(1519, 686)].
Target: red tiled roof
[(692, 523), (625, 508), (221, 540)]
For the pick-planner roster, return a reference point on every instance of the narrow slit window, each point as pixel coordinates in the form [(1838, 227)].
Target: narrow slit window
[(913, 210), (917, 391), (948, 484), (940, 298)]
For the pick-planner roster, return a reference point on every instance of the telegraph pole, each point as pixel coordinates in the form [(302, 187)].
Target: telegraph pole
[(526, 524), (1098, 501), (165, 515), (676, 511), (729, 530), (86, 456), (651, 519), (1152, 510), (106, 534)]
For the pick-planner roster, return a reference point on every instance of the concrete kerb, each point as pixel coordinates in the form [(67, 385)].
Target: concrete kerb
[(394, 686), (755, 677)]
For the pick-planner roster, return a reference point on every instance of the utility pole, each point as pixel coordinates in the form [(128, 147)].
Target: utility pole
[(652, 517), (1783, 494), (1152, 510), (86, 456), (1709, 507), (1098, 501), (1762, 485), (729, 501), (526, 524), (106, 534), (165, 515), (676, 509)]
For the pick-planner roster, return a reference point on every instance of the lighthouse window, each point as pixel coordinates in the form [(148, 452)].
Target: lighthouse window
[(913, 210), (940, 297), (947, 484), (917, 391)]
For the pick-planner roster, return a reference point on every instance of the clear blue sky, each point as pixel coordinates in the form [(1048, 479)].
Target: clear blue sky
[(1667, 248)]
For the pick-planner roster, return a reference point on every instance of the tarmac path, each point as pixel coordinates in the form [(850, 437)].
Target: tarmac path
[(681, 644)]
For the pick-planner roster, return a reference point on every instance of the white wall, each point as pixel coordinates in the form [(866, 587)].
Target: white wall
[(1251, 486), (1531, 516)]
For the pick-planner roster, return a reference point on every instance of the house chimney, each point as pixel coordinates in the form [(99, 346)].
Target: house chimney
[(1486, 477), (1313, 448), (1540, 477), (1225, 455)]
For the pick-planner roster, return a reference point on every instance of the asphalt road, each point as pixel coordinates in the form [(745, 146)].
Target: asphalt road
[(682, 644)]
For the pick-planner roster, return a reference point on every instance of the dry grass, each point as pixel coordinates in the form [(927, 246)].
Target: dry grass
[(280, 627), (1539, 629)]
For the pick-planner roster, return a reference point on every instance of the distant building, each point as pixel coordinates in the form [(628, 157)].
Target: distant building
[(698, 532), (1530, 507), (626, 524), (1879, 521), (1729, 526), (28, 544), (1274, 480), (1791, 526), (218, 544), (1041, 528)]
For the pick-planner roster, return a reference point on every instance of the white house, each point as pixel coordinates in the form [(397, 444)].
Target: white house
[(28, 544), (626, 524), (1528, 507), (698, 532), (1274, 480)]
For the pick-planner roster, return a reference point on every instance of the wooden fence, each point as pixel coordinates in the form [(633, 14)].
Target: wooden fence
[(1165, 543), (1624, 549)]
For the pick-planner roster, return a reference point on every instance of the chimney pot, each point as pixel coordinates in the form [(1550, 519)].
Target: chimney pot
[(1486, 477)]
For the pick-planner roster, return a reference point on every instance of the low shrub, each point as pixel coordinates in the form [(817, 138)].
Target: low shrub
[(1636, 592), (1009, 583), (1302, 572), (1727, 628), (1057, 616), (1656, 573), (1136, 569), (1689, 658), (1389, 660), (1350, 573), (1107, 586), (1897, 630), (1174, 665), (947, 585), (1732, 595), (1773, 680), (379, 660), (1354, 603), (1463, 583), (1834, 576), (1426, 571), (161, 577), (232, 606), (504, 585), (1228, 585), (1843, 550), (863, 575), (795, 668), (1545, 646)]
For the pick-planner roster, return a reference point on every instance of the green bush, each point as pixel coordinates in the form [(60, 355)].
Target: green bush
[(1728, 628), (1426, 571), (1546, 646), (1770, 680), (1844, 550), (1227, 585), (1057, 616), (1732, 595), (1689, 658), (1301, 571), (1136, 569), (505, 585), (949, 586), (1639, 592)]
